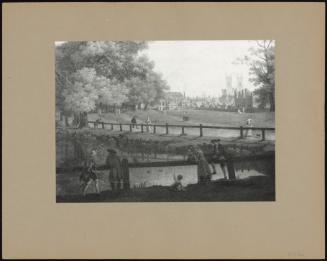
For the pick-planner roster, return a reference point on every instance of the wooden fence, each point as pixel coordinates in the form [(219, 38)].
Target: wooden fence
[(145, 128)]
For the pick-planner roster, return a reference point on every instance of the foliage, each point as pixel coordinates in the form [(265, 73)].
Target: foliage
[(110, 73), (261, 60)]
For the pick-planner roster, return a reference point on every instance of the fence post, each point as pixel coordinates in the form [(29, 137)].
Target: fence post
[(112, 126), (154, 129), (142, 128), (263, 134), (201, 131), (130, 127), (102, 125), (167, 128), (241, 130), (183, 133), (120, 127), (230, 169), (125, 172)]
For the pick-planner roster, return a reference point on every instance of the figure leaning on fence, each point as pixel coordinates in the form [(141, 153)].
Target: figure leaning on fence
[(115, 169), (88, 174)]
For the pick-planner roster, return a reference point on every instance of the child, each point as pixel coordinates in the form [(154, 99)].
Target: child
[(178, 183)]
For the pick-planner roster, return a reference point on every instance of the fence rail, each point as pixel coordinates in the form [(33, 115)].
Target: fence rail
[(166, 126)]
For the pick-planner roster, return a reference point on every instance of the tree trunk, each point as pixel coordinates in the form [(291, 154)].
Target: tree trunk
[(82, 120), (76, 119), (60, 116), (272, 102)]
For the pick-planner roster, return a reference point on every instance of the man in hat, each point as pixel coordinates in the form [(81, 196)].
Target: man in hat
[(133, 122), (115, 169)]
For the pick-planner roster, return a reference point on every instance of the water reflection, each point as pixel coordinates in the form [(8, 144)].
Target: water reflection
[(145, 177), (67, 183)]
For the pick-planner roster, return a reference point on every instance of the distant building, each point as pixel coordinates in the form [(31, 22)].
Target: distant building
[(243, 100), (235, 96), (178, 101)]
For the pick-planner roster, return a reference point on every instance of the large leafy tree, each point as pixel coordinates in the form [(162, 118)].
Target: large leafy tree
[(106, 73), (261, 60), (146, 90)]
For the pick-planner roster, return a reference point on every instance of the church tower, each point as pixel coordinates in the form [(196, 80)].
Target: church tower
[(239, 79), (229, 86)]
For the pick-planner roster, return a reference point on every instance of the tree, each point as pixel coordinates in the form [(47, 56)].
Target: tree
[(146, 90), (81, 96), (261, 60), (111, 92), (89, 74)]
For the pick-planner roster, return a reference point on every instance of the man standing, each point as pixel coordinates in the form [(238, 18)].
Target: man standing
[(115, 169), (133, 121)]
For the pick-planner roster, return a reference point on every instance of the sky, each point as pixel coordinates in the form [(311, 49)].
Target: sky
[(199, 68)]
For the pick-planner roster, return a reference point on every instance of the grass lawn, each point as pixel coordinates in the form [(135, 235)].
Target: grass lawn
[(205, 117)]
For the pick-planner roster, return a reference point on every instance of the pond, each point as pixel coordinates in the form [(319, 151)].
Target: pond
[(164, 176), (68, 183)]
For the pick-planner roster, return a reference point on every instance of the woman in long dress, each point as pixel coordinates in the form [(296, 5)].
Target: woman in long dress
[(203, 168)]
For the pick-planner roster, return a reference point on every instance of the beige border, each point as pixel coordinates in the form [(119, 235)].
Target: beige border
[(34, 226)]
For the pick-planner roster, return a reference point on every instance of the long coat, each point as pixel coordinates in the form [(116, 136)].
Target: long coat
[(203, 167), (115, 168)]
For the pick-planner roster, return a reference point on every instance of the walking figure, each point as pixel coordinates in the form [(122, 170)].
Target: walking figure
[(88, 175)]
